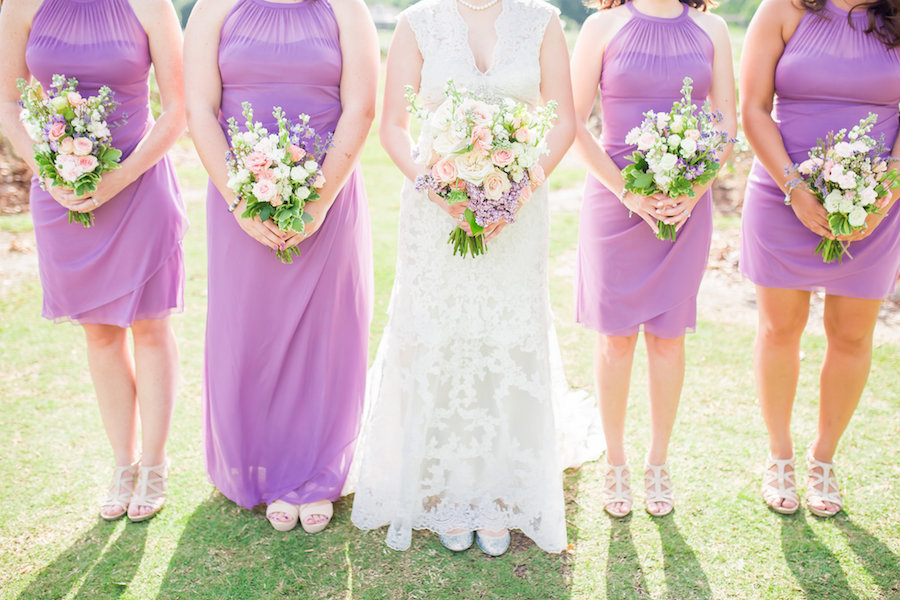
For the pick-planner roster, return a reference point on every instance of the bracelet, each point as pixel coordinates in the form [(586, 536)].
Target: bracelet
[(621, 198), (233, 205), (787, 197)]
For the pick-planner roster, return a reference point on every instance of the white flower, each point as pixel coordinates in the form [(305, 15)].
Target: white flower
[(238, 178), (832, 200), (662, 181), (517, 173), (857, 216), (310, 165), (860, 146), (302, 192), (845, 204), (847, 181), (473, 167), (99, 129), (677, 124), (688, 147), (662, 119), (298, 173), (632, 137), (843, 149), (867, 196), (667, 162), (449, 142)]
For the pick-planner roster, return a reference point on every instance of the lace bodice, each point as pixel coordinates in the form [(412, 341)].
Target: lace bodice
[(443, 39)]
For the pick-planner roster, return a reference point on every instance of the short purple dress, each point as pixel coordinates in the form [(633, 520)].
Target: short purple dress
[(626, 278), (286, 344), (831, 75), (129, 266)]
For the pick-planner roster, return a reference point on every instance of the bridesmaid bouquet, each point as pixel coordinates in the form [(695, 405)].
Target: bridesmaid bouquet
[(847, 173), (675, 150), (484, 153), (72, 139), (276, 173)]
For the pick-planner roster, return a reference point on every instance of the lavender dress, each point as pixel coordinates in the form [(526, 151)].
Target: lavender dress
[(830, 76), (286, 344), (626, 277), (129, 266)]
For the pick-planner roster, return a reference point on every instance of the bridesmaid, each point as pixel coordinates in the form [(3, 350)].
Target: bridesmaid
[(286, 344), (127, 271), (638, 52), (823, 65)]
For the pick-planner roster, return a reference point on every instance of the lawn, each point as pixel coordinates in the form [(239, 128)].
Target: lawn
[(719, 543)]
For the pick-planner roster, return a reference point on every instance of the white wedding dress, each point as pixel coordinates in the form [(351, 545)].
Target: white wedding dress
[(467, 398)]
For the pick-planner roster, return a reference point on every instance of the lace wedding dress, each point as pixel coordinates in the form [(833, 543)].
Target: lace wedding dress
[(467, 397)]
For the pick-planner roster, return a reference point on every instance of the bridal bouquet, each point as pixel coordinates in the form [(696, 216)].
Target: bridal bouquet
[(847, 174), (675, 151), (484, 153), (71, 135), (276, 173)]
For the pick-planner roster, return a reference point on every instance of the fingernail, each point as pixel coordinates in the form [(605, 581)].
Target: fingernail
[(282, 246)]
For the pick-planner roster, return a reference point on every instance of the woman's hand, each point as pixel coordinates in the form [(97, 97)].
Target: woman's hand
[(264, 232), (675, 211), (457, 210), (810, 212), (67, 198), (110, 185), (872, 221), (318, 210), (643, 206)]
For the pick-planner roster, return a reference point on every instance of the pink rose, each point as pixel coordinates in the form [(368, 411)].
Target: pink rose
[(256, 162), (524, 195), (86, 164), (320, 181), (67, 166), (56, 131), (83, 146), (267, 174), (692, 134), (265, 191), (297, 153), (482, 138), (495, 184), (502, 158), (74, 98), (522, 135), (536, 175), (444, 171), (645, 141), (67, 146)]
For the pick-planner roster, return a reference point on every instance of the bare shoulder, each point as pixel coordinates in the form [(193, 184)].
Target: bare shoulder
[(20, 11), (209, 12), (714, 25), (348, 10), (153, 13), (604, 24), (783, 12)]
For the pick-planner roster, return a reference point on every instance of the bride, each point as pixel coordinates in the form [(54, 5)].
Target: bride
[(460, 437)]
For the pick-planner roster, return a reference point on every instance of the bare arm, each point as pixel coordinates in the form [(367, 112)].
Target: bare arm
[(15, 26), (164, 34), (204, 97), (359, 82), (556, 85), (771, 27)]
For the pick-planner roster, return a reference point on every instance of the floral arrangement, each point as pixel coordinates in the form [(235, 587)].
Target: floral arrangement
[(675, 151), (484, 153), (276, 173), (71, 135), (847, 173)]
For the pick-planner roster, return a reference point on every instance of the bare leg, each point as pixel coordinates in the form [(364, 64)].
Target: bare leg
[(156, 361), (613, 360), (782, 318), (665, 359), (849, 327)]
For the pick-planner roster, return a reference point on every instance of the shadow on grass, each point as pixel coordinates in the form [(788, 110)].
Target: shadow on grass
[(109, 572), (624, 576), (881, 563), (817, 570), (685, 577)]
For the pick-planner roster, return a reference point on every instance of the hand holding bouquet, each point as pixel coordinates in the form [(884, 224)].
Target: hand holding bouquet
[(72, 139), (848, 174), (276, 173), (483, 153), (675, 151)]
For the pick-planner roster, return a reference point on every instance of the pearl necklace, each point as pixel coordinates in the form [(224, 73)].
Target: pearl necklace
[(477, 7)]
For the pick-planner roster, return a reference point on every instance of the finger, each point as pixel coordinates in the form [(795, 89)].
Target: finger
[(494, 231), (268, 224), (648, 220), (265, 235)]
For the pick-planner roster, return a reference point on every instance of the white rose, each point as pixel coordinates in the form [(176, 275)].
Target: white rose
[(845, 204), (843, 149), (298, 173), (667, 162), (495, 184), (677, 124), (867, 196), (310, 165), (857, 216), (833, 200), (673, 141), (448, 142), (473, 167), (688, 147), (847, 181), (302, 192), (662, 182)]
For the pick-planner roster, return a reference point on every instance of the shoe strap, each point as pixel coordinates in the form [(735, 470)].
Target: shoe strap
[(122, 487), (659, 486), (149, 493), (617, 487), (779, 483), (827, 480)]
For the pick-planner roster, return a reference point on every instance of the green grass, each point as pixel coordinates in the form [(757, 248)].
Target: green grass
[(16, 223), (719, 543)]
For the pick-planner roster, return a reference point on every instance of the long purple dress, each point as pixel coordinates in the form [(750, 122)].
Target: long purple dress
[(129, 266), (830, 76), (286, 344), (626, 278)]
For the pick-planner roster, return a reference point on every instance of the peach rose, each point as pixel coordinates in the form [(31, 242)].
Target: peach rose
[(265, 191), (83, 146), (481, 139), (502, 158), (536, 174), (524, 195), (56, 131), (495, 184), (320, 181), (522, 135), (444, 171), (297, 153), (74, 98), (257, 162), (67, 146)]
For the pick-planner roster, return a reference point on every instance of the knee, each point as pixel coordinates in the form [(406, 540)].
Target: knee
[(615, 348), (780, 328), (152, 332), (669, 349), (848, 335), (103, 336)]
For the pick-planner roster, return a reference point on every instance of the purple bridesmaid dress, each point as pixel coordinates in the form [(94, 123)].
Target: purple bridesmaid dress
[(286, 344), (831, 75), (626, 278), (129, 266)]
